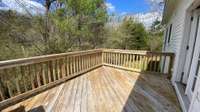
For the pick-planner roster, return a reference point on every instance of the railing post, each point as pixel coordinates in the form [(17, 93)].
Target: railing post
[(171, 63)]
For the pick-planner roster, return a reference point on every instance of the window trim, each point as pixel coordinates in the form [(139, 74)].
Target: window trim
[(170, 34)]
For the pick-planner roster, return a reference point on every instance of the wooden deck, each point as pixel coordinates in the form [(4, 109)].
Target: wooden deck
[(105, 89)]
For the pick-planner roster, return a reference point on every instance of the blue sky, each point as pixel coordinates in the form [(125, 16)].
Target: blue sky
[(125, 6), (128, 6)]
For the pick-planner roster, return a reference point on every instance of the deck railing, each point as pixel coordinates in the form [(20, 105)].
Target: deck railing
[(139, 61), (22, 78)]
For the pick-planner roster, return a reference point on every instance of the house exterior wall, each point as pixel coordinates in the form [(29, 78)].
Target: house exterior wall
[(177, 45)]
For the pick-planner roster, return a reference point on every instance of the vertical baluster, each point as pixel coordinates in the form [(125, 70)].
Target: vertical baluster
[(148, 62), (151, 64), (71, 65), (23, 73), (80, 69), (60, 68), (92, 60), (97, 58), (77, 64), (86, 61), (108, 61), (74, 67), (137, 61), (50, 71), (159, 65), (131, 61), (102, 57), (106, 54), (140, 62), (79, 61), (37, 75), (74, 64), (57, 69), (54, 69), (155, 63), (10, 92), (109, 58), (121, 59), (114, 58), (143, 62), (117, 59), (89, 60), (125, 60), (1, 94), (133, 65), (171, 62), (43, 74), (63, 69), (31, 74), (67, 68), (18, 86), (83, 62), (16, 80)]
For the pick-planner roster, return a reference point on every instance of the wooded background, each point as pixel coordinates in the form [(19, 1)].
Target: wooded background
[(70, 25)]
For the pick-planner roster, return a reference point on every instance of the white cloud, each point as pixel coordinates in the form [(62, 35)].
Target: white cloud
[(110, 7), (158, 1), (147, 18), (22, 5)]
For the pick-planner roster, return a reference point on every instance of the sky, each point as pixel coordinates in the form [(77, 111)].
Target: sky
[(139, 9), (128, 6)]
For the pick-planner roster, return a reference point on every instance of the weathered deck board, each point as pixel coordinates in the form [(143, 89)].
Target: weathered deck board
[(106, 89)]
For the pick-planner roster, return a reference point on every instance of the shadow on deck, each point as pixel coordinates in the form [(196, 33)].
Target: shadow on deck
[(105, 89)]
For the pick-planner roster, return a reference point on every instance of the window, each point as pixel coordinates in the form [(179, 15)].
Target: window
[(170, 33), (166, 35)]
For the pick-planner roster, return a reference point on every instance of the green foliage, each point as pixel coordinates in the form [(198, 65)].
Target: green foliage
[(74, 25), (155, 37), (77, 25), (129, 35)]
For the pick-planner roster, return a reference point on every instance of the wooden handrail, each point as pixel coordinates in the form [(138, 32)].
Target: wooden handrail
[(139, 61), (22, 78), (38, 59)]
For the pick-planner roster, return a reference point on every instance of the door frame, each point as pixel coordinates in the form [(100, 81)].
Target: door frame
[(194, 63), (189, 52)]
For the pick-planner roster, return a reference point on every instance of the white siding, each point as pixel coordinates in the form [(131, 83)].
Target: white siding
[(175, 45)]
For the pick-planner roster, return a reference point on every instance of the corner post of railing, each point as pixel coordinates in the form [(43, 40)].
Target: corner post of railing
[(171, 64), (102, 56)]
